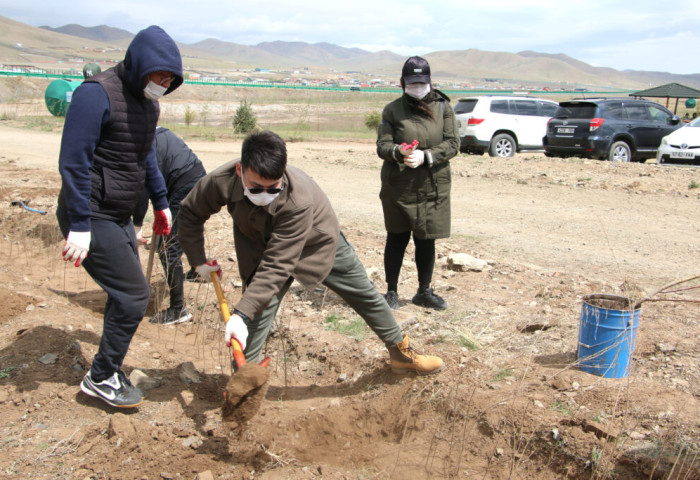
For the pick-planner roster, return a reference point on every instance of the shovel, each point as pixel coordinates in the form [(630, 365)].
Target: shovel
[(246, 388), (151, 255)]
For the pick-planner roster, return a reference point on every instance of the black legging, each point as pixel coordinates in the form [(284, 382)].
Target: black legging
[(394, 251)]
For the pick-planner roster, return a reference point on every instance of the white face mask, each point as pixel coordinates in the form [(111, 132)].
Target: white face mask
[(417, 90), (153, 91), (260, 199)]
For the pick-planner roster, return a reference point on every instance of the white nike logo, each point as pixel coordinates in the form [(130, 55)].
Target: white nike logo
[(113, 382), (109, 394)]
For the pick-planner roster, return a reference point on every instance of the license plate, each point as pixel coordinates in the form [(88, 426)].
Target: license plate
[(565, 130), (682, 155)]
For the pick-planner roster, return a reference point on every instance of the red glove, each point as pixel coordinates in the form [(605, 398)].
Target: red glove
[(406, 149), (163, 222)]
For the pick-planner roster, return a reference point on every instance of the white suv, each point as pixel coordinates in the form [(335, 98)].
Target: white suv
[(502, 125)]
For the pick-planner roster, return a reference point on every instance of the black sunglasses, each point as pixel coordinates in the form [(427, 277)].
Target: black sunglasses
[(257, 190), (272, 190)]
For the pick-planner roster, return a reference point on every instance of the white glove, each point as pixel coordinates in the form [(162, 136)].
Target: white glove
[(236, 329), (415, 159), (139, 235), (204, 270), (76, 247)]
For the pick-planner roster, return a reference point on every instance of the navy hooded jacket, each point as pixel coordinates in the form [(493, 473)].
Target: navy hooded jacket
[(88, 122)]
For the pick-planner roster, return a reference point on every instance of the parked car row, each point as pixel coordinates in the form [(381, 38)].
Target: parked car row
[(616, 129)]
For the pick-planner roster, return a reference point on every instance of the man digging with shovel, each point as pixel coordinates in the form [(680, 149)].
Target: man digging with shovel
[(284, 228)]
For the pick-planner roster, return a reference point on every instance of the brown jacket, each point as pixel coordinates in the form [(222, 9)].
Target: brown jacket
[(296, 235)]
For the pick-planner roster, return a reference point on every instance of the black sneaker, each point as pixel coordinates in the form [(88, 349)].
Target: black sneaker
[(392, 298), (116, 391), (171, 316), (426, 298), (193, 276)]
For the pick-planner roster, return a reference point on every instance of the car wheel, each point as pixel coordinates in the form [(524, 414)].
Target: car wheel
[(620, 152), (502, 145)]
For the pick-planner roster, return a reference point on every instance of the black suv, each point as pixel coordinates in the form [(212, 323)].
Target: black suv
[(619, 129)]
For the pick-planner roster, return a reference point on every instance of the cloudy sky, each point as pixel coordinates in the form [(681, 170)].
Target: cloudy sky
[(641, 35)]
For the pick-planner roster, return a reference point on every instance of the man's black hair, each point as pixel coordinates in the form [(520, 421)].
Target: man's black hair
[(265, 153)]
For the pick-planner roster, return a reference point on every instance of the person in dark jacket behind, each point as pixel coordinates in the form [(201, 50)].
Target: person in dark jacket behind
[(181, 169), (106, 160), (416, 178)]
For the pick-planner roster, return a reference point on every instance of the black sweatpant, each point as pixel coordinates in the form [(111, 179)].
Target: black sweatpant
[(113, 263), (170, 251)]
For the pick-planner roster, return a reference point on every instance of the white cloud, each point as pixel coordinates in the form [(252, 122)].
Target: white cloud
[(673, 53), (646, 35)]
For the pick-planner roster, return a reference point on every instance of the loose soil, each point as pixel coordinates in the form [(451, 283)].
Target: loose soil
[(510, 402)]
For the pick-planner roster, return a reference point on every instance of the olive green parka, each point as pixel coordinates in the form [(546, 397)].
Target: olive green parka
[(417, 199)]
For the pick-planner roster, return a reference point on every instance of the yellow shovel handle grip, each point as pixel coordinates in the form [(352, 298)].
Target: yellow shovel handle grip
[(237, 353), (220, 295)]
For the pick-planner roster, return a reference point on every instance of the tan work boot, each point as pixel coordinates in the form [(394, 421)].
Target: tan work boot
[(404, 360)]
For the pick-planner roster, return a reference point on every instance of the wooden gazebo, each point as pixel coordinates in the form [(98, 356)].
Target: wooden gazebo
[(668, 91)]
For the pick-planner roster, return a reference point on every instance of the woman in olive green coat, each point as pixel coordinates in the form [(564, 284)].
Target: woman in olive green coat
[(416, 178)]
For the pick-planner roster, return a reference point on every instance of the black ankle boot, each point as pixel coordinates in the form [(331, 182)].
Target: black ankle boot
[(392, 298), (426, 298)]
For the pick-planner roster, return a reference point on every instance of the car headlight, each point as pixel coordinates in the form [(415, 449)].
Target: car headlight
[(664, 141)]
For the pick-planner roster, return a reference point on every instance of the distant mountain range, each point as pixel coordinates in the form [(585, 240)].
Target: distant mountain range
[(102, 33), (460, 66)]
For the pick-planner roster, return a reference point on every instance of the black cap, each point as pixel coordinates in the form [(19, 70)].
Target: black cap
[(416, 70)]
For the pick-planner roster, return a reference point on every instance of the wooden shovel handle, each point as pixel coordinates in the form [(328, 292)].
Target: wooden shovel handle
[(155, 243), (237, 353)]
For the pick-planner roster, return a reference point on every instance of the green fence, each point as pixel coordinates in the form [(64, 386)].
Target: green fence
[(77, 75)]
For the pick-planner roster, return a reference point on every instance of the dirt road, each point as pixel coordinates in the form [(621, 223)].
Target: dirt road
[(636, 222)]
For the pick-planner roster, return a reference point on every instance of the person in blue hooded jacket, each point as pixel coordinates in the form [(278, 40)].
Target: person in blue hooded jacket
[(106, 160)]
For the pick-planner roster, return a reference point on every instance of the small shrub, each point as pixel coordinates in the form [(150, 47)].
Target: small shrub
[(372, 120), (203, 114), (693, 184), (501, 374), (244, 120), (356, 329), (596, 456), (468, 343), (561, 407), (599, 417), (189, 115)]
